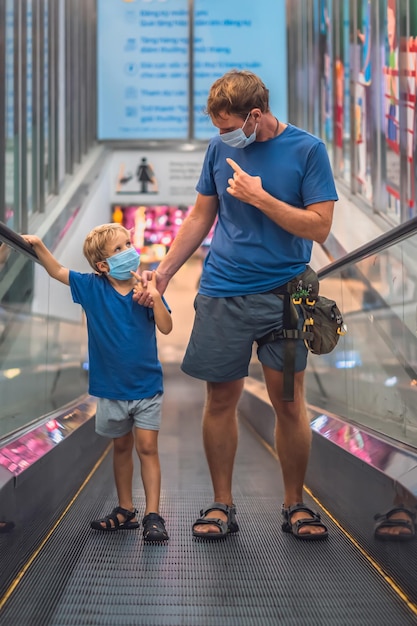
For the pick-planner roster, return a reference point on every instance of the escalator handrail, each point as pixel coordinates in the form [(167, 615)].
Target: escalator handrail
[(384, 241), (15, 241)]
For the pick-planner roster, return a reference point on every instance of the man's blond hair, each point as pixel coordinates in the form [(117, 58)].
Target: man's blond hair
[(96, 242), (237, 93)]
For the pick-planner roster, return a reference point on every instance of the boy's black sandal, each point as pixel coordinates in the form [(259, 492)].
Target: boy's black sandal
[(230, 526), (386, 520), (154, 528), (313, 519), (111, 522)]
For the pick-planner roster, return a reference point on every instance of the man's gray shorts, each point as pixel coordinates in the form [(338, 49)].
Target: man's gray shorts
[(220, 346), (116, 418)]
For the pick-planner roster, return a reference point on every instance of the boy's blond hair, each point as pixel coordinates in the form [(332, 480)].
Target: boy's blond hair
[(97, 240)]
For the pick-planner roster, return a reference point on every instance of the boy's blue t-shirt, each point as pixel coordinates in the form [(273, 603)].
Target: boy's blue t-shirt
[(249, 253), (123, 357)]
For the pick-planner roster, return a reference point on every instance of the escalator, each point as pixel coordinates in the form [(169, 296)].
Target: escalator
[(57, 571)]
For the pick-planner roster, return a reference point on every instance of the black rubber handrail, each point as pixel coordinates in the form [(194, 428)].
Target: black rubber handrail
[(15, 241), (393, 236), (388, 239)]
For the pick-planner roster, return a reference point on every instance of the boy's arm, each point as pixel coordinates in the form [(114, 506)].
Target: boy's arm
[(163, 319), (162, 316), (54, 269)]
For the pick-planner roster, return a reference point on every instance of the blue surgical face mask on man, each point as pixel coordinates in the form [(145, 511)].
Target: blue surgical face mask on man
[(237, 138), (122, 263)]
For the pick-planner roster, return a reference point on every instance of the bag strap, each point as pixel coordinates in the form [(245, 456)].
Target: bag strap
[(290, 323), (291, 333)]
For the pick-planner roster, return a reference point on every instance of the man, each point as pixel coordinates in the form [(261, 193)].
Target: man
[(271, 187)]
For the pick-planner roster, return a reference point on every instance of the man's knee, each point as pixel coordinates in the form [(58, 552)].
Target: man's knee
[(223, 397), (295, 410)]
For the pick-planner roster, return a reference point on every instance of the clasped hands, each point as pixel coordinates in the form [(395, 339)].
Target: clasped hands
[(150, 284), (145, 288)]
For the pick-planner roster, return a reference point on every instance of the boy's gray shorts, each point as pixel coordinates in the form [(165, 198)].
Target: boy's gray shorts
[(116, 418), (220, 346)]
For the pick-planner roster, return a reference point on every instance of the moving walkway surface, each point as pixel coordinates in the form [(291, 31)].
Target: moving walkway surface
[(258, 576)]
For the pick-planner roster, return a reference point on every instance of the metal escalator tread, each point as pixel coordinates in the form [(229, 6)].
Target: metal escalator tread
[(258, 576)]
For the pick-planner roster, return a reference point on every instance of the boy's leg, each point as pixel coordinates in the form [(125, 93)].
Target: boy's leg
[(146, 442), (123, 476), (123, 470), (113, 420), (147, 418)]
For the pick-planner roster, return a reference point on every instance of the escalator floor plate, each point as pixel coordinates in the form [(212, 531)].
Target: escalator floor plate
[(260, 576)]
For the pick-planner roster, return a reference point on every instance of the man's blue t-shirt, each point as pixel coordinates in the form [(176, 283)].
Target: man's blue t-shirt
[(122, 345), (249, 253)]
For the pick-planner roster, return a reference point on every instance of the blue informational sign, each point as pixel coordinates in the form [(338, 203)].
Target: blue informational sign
[(243, 35), (143, 69), (143, 61)]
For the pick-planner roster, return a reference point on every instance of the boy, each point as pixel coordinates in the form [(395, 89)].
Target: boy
[(125, 373)]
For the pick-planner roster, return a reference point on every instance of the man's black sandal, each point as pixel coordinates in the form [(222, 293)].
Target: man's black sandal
[(111, 522), (294, 528), (385, 520), (230, 526), (154, 528)]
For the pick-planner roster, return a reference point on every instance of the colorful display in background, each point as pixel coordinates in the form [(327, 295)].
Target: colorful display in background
[(153, 228)]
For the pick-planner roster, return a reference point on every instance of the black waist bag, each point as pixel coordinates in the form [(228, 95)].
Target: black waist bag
[(322, 323)]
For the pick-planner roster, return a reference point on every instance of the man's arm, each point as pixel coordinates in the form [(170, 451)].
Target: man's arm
[(314, 222), (192, 233), (54, 269)]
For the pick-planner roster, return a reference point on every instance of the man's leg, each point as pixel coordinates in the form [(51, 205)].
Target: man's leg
[(292, 440), (220, 434)]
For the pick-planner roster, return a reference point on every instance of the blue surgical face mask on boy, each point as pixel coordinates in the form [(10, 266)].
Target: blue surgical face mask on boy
[(237, 138), (122, 263)]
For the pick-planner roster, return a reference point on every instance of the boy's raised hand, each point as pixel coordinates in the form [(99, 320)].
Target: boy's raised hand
[(31, 239)]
